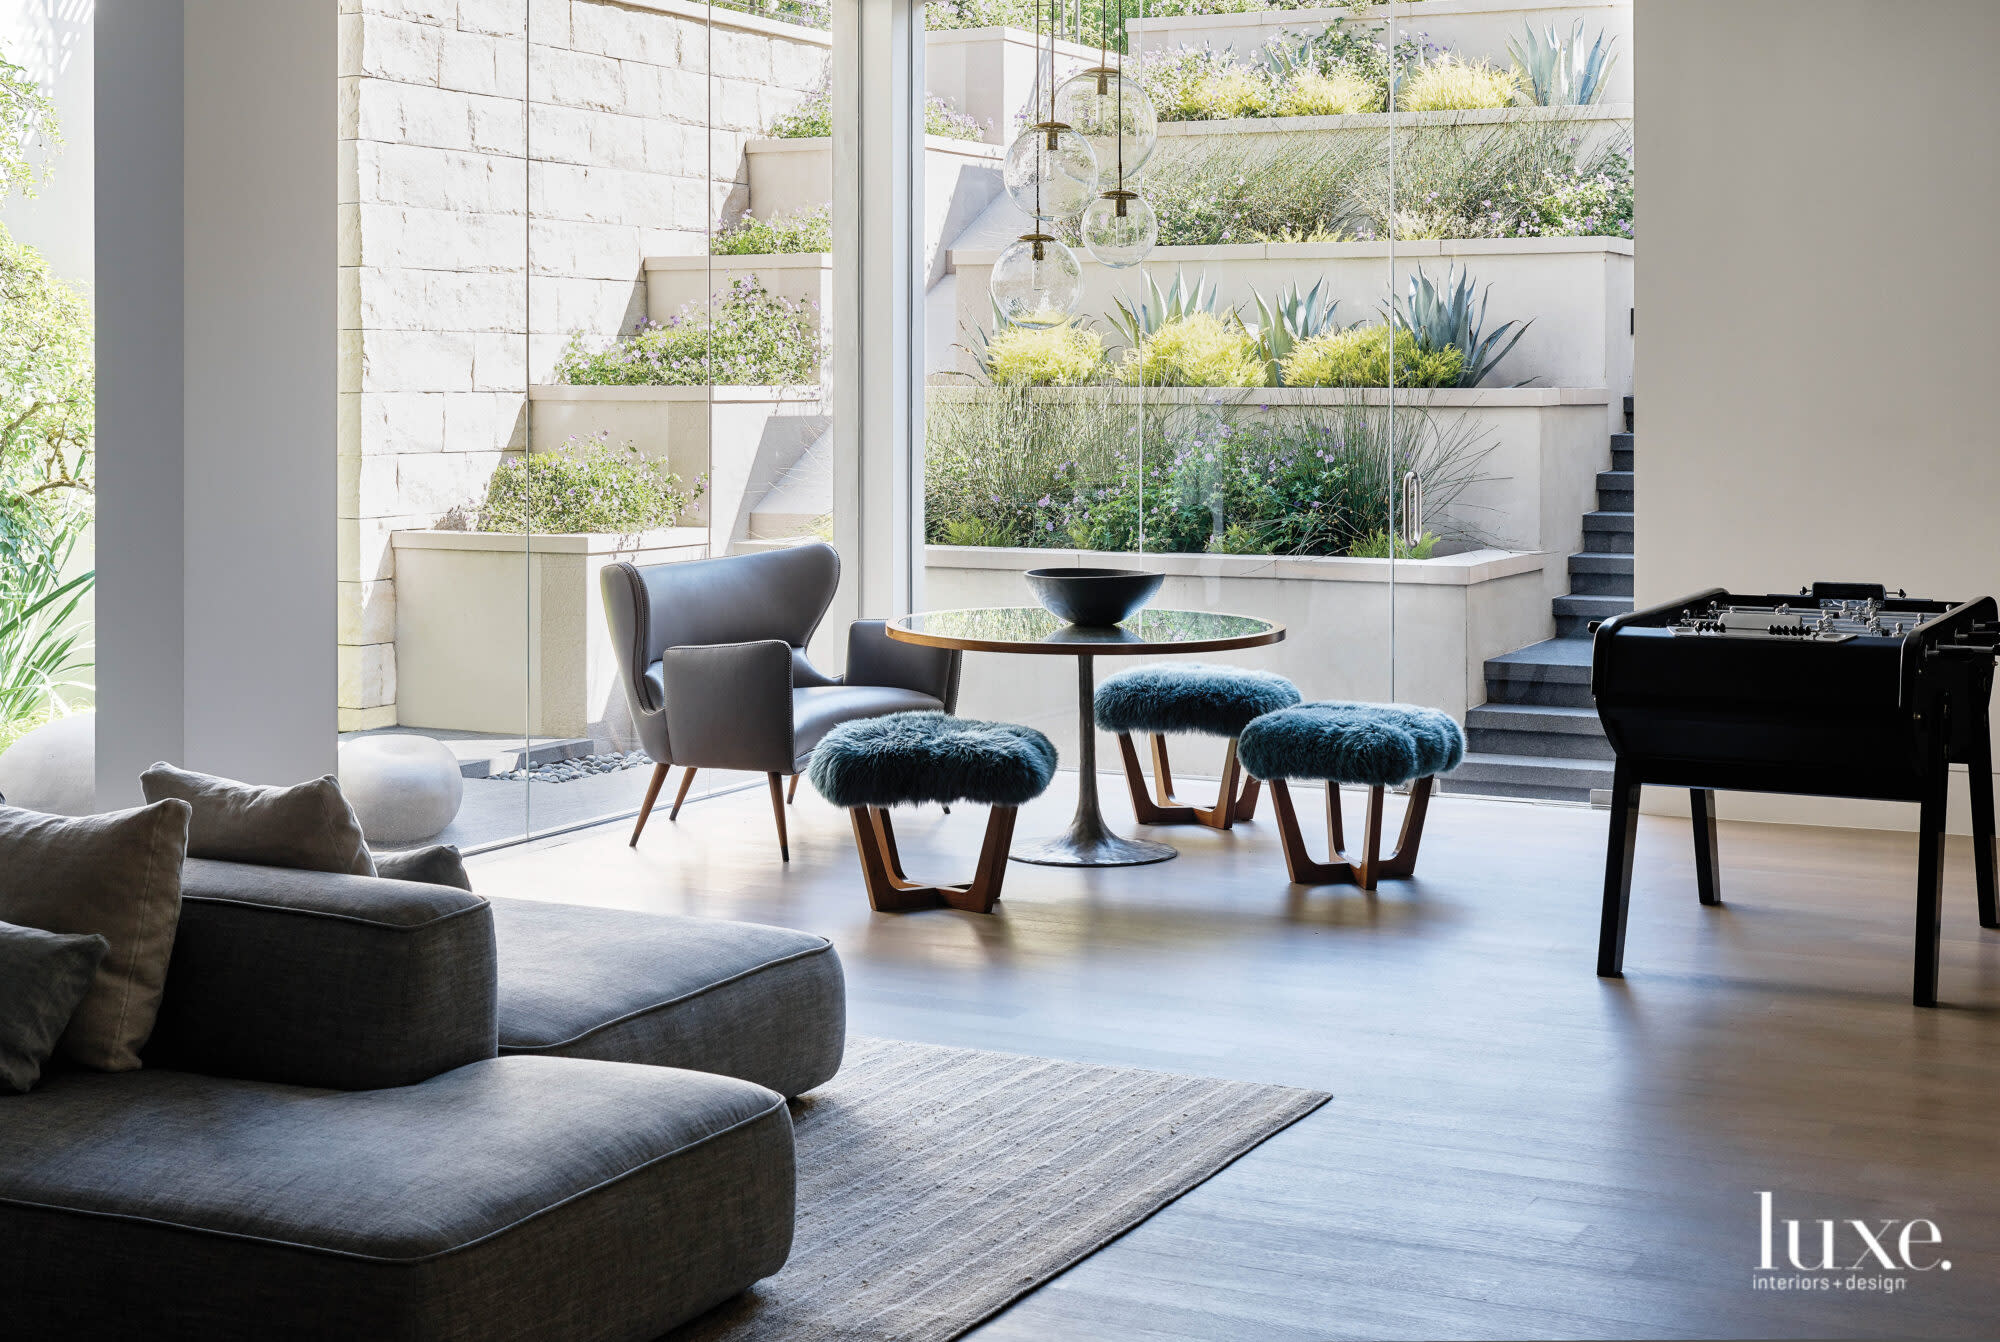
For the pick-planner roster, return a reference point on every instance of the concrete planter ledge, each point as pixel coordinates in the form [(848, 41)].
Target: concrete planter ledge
[(1576, 293), (1415, 249), (1458, 570), (736, 19), (1384, 121), (562, 391), (522, 544)]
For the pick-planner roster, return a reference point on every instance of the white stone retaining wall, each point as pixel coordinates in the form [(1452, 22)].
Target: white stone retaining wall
[(619, 145)]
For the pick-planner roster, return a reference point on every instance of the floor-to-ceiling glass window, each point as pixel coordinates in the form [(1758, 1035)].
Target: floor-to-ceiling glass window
[(1372, 368), (587, 276), (47, 389)]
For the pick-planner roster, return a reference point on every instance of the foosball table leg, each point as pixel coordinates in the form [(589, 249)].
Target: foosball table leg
[(1930, 893), (1618, 872), (1706, 861), (1980, 766)]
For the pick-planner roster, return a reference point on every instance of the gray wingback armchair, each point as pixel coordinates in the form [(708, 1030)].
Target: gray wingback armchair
[(712, 655)]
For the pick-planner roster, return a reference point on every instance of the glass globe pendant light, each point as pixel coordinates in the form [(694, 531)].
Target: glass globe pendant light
[(1120, 228), (1037, 282), (1051, 173), (1114, 116)]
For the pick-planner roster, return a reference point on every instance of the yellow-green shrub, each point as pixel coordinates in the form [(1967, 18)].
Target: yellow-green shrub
[(1310, 93), (1229, 93), (1198, 350), (1055, 356), (1360, 358), (1450, 84)]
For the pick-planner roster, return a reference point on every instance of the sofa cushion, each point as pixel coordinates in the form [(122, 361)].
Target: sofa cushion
[(321, 979), (766, 1004), (514, 1198), (309, 826), (43, 976), (439, 864), (115, 875)]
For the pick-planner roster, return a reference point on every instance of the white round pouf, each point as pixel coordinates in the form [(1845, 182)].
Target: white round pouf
[(404, 789), (53, 768)]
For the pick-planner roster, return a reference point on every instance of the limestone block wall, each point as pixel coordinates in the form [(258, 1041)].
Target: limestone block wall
[(493, 200)]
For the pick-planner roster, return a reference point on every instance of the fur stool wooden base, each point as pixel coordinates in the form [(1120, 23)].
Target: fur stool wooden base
[(890, 890), (914, 759), (1378, 746), (1236, 796), (1188, 697), (1305, 869)]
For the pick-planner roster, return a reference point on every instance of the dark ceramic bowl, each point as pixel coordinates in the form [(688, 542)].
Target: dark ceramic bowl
[(1093, 597)]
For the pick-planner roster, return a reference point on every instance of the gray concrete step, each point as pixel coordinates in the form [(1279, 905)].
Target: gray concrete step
[(1554, 673), (1575, 613), (1559, 779), (1607, 532), (1600, 574), (1614, 491), (1535, 729)]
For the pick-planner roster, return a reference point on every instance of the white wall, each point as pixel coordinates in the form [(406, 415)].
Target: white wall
[(1818, 283), (52, 40), (217, 359)]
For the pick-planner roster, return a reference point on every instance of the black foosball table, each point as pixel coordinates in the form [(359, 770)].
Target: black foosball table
[(1840, 691)]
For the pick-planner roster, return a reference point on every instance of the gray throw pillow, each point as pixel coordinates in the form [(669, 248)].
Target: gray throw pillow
[(118, 876), (43, 977), (309, 827), (439, 864)]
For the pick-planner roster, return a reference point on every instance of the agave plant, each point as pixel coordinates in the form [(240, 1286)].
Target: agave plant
[(1291, 317), (1160, 306), (1445, 316), (1557, 70)]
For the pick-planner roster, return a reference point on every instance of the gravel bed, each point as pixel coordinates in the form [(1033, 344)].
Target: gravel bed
[(583, 766)]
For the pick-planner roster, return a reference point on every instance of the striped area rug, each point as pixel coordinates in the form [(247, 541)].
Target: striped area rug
[(937, 1185)]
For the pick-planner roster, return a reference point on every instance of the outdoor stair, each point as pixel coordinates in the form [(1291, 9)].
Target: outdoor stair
[(1537, 736)]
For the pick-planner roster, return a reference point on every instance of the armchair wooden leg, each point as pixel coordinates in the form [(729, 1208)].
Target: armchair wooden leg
[(1305, 869), (778, 810), (652, 795), (792, 793), (1156, 804), (890, 890), (681, 794)]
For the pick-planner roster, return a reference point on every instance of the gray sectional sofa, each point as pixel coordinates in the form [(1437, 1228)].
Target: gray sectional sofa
[(383, 1109)]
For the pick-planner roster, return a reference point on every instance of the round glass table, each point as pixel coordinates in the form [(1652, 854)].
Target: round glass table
[(1030, 629)]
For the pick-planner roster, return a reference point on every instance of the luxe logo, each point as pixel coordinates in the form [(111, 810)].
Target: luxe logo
[(1850, 1246)]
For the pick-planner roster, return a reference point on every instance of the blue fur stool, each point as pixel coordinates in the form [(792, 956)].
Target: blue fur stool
[(917, 758), (1188, 697), (1375, 745)]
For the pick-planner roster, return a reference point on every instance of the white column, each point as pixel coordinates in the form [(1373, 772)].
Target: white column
[(217, 136), (878, 95)]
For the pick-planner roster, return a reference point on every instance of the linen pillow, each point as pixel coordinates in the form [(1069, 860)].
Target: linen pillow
[(43, 977), (116, 875), (439, 864), (309, 827)]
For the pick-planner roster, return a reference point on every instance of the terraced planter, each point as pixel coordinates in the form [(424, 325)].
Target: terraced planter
[(1547, 446), (989, 73), (1578, 291), (960, 179), (470, 652), (1471, 28), (744, 439), (1451, 614)]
